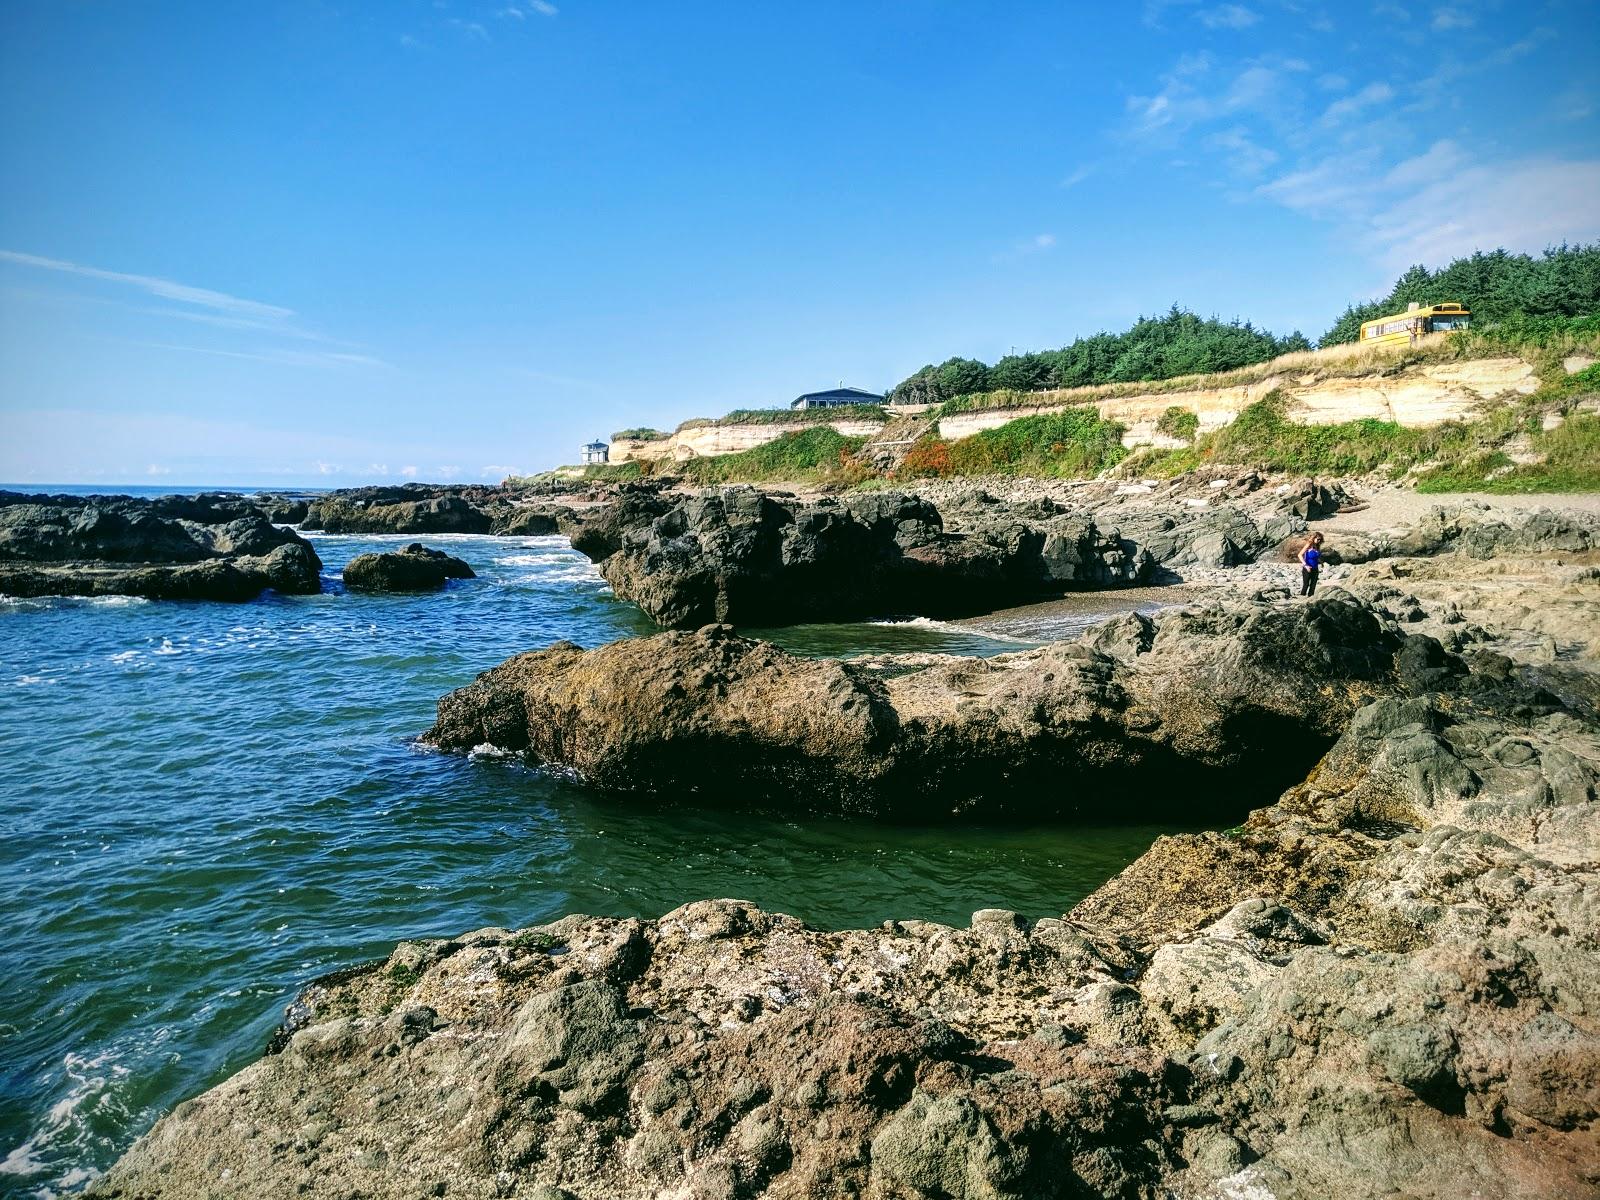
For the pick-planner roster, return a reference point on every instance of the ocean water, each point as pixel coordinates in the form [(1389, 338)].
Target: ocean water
[(204, 806)]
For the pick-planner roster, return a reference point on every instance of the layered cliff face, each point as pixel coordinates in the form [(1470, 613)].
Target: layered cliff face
[(1415, 396), (174, 548), (712, 440), (1386, 983)]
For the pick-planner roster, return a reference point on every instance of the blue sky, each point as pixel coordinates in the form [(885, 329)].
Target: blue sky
[(314, 243)]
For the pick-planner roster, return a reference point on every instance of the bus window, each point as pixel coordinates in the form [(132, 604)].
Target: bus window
[(1447, 323)]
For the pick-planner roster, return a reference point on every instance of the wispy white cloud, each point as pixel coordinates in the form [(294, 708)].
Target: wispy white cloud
[(1039, 243), (471, 29), (1244, 155), (1349, 106), (157, 469), (1443, 203), (1447, 17), (1227, 16), (1079, 175), (408, 471), (1575, 104), (167, 289), (1194, 93), (283, 358), (543, 7)]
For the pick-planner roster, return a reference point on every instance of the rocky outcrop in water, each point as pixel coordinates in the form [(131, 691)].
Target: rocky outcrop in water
[(433, 508), (1383, 985), (438, 514), (172, 548), (414, 569), (1176, 704), (752, 558)]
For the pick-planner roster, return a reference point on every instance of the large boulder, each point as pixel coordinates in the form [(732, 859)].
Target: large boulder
[(1055, 730), (743, 556), (414, 569)]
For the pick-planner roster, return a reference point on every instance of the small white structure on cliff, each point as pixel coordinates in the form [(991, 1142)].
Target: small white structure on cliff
[(596, 452)]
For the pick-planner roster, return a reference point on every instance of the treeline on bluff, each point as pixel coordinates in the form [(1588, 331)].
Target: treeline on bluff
[(1497, 286), (1177, 343), (1564, 281)]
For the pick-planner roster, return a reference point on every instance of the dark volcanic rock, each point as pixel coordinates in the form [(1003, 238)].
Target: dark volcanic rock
[(414, 569), (1057, 730), (743, 556), (174, 547), (440, 514)]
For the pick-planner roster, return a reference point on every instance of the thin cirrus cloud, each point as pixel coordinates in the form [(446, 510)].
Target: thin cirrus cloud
[(1227, 16), (218, 310), (167, 289), (283, 358)]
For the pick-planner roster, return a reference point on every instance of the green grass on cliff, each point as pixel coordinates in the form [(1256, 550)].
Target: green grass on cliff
[(1072, 443), (817, 453)]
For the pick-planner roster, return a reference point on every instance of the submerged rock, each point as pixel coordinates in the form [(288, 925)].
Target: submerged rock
[(211, 547), (414, 569)]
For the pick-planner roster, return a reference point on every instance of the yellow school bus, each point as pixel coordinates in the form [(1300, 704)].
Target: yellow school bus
[(1413, 323)]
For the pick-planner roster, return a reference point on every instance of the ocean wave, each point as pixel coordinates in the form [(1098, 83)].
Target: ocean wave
[(549, 558), (68, 1133), (45, 603), (971, 631)]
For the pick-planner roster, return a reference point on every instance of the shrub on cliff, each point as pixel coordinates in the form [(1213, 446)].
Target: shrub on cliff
[(819, 451), (1178, 423), (1073, 443)]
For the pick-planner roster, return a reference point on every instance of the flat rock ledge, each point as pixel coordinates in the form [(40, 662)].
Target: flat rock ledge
[(1177, 705), (414, 569), (1384, 984)]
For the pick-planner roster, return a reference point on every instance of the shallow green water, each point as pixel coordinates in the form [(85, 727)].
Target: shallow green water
[(205, 805)]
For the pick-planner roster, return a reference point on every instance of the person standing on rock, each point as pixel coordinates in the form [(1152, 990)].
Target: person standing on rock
[(1310, 564)]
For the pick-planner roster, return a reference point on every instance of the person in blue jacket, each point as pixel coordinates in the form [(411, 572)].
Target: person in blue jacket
[(1310, 564)]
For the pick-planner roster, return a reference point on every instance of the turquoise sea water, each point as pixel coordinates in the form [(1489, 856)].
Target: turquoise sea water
[(204, 806)]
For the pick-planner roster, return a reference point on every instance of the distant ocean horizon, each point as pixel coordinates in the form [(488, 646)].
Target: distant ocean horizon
[(157, 489)]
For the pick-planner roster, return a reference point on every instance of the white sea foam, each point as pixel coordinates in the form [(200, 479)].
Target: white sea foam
[(950, 627), (35, 681), (167, 647), (125, 656), (93, 1090)]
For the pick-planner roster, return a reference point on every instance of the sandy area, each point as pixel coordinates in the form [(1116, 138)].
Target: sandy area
[(1387, 508)]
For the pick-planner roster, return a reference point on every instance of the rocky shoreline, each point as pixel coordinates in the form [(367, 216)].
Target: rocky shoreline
[(1385, 983), (1383, 980)]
